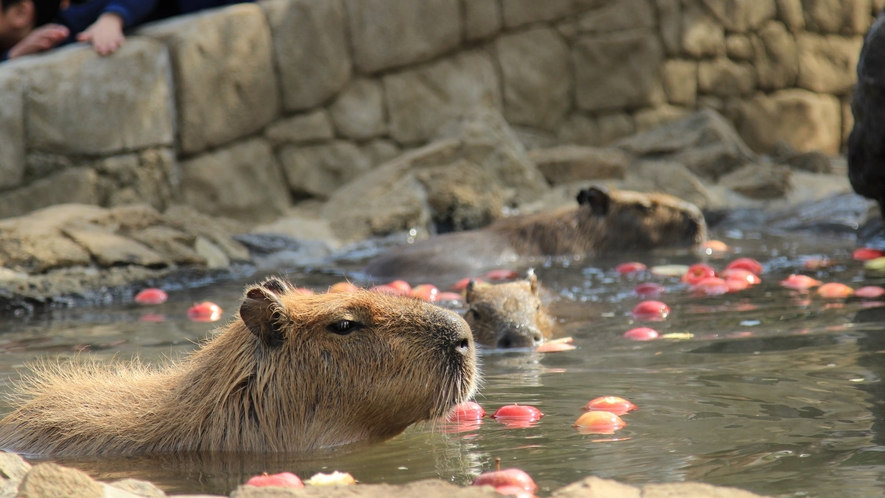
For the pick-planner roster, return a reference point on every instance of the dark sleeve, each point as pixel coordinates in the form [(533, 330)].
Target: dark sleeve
[(78, 17), (189, 6)]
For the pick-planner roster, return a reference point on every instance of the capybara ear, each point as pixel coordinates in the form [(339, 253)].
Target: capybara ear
[(470, 290), (533, 280), (597, 198), (260, 312), (277, 285)]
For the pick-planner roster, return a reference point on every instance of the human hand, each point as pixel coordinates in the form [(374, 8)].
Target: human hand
[(105, 34), (40, 39)]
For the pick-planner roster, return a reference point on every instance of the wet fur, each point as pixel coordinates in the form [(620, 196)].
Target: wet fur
[(602, 223), (279, 381), (508, 315)]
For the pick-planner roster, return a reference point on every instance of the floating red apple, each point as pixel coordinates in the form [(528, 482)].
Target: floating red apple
[(870, 292), (749, 264), (468, 410), (151, 296), (631, 267), (641, 334), (599, 422), (698, 272), (426, 292), (205, 312), (866, 254), (800, 282), (835, 290), (501, 274), (281, 480), (654, 311), (611, 404), (507, 477)]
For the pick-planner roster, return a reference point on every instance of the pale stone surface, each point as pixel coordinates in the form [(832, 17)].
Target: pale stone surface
[(759, 181), (380, 151), (310, 45), (421, 100), (693, 490), (742, 16), (614, 126), (109, 249), (230, 51), (580, 130), (12, 129), (680, 79), (391, 33), (12, 468), (536, 77), (618, 16), (519, 12), (670, 19), (143, 489), (132, 88), (790, 13), (776, 57), (594, 487), (78, 185), (51, 479), (646, 119), (670, 178), (242, 181), (358, 112), (318, 170), (314, 126), (618, 70), (150, 176), (835, 16), (482, 18), (571, 163), (739, 47), (702, 36), (827, 63), (216, 230), (725, 78), (805, 120), (174, 245)]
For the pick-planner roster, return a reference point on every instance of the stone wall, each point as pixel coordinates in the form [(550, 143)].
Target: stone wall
[(244, 110)]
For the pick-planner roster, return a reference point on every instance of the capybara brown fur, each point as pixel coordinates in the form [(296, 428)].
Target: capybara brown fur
[(292, 373), (602, 223), (508, 315)]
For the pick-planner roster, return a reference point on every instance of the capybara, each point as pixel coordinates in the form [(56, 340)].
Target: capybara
[(601, 223), (508, 315), (292, 373)]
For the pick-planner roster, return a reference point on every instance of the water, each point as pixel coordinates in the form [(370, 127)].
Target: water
[(775, 392)]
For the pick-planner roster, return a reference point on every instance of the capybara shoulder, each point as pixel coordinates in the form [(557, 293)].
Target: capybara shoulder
[(601, 223), (292, 373), (508, 315)]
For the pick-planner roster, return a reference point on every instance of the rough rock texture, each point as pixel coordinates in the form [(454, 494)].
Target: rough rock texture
[(150, 176), (776, 57), (594, 487), (725, 78), (358, 112), (805, 120), (79, 185), (759, 181), (617, 16), (702, 36), (391, 33), (395, 196), (618, 70), (315, 126), (12, 129), (230, 51), (670, 20), (680, 79), (670, 178), (741, 15), (482, 18), (133, 88), (420, 101), (310, 46), (536, 77), (519, 12), (647, 119), (834, 16), (827, 63), (318, 170), (570, 163), (50, 479), (242, 182)]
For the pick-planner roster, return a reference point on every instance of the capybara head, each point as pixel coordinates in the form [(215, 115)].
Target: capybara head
[(626, 220), (508, 315), (294, 372)]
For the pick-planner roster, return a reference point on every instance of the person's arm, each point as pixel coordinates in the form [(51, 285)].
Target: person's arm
[(38, 40), (101, 22)]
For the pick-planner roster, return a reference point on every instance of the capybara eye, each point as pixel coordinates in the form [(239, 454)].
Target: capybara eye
[(343, 327)]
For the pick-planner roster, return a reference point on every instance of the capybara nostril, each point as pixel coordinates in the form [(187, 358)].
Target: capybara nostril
[(504, 342)]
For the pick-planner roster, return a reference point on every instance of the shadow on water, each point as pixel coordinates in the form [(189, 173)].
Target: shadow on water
[(770, 390)]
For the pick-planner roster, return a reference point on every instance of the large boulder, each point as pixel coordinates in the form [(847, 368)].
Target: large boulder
[(805, 120), (12, 129), (460, 181), (318, 170)]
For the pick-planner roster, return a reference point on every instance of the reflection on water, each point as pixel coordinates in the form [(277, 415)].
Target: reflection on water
[(771, 390)]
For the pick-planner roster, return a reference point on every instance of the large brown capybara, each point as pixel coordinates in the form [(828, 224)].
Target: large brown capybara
[(508, 315), (601, 223), (293, 373)]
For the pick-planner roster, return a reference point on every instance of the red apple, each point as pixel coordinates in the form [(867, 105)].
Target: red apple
[(151, 296), (281, 480), (507, 477)]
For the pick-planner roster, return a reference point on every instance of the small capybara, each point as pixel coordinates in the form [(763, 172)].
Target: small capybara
[(508, 315), (601, 223), (292, 373)]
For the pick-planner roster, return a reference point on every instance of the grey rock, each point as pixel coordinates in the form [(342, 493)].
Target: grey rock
[(670, 19), (646, 119), (217, 230), (422, 100), (670, 178), (615, 126), (109, 249), (739, 47), (51, 479), (390, 33), (702, 36), (619, 70), (759, 181), (230, 51), (133, 87), (76, 185), (310, 45), (536, 77), (12, 129), (776, 56), (482, 18), (617, 16), (173, 245), (580, 130), (596, 487), (680, 80), (790, 13), (827, 64), (813, 161), (242, 181), (139, 488), (805, 120), (318, 170), (570, 163), (380, 151), (519, 12), (358, 112), (741, 16), (725, 78), (835, 16), (150, 176), (456, 204), (214, 256), (314, 126)]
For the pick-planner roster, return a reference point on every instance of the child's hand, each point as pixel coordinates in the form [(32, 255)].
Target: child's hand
[(40, 39), (105, 34)]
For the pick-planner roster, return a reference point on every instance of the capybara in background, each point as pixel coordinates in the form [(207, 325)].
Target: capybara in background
[(292, 373), (508, 315), (601, 223)]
